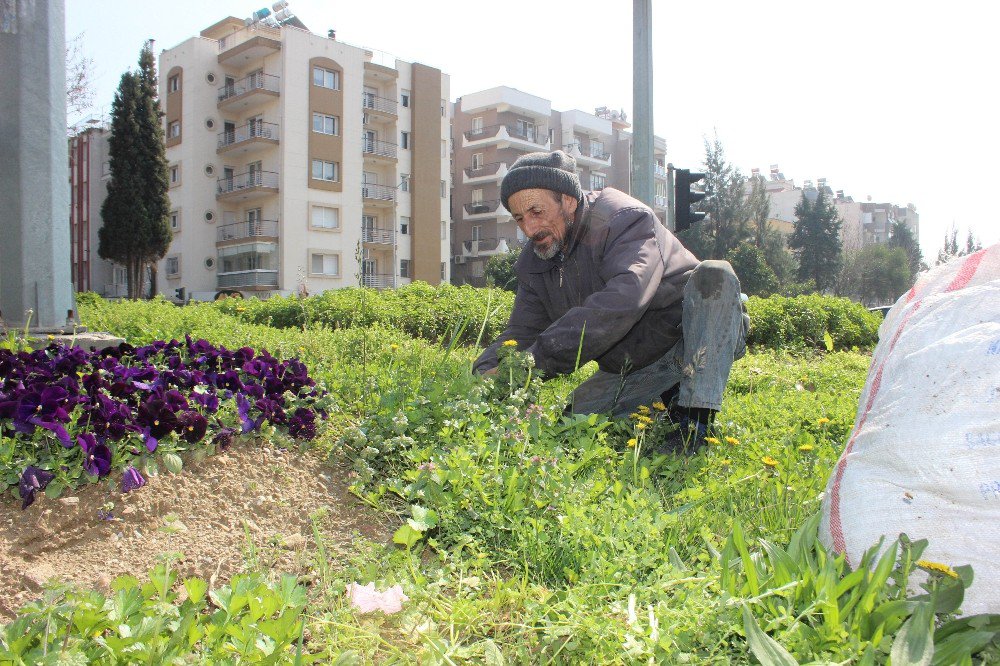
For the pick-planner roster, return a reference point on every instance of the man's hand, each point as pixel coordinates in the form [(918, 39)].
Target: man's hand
[(491, 371)]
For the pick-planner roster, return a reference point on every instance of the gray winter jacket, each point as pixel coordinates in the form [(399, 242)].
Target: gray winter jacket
[(618, 285)]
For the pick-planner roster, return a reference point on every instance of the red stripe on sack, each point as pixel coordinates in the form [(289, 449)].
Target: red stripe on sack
[(960, 281)]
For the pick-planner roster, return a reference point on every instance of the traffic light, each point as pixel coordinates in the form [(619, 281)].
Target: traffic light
[(685, 197), (180, 293)]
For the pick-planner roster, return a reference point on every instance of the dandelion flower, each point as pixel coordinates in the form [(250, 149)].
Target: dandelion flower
[(712, 440), (769, 461), (634, 415), (393, 347), (632, 442), (640, 426), (510, 343), (732, 440), (659, 406), (806, 447), (643, 409), (823, 421), (642, 418), (724, 462), (937, 567)]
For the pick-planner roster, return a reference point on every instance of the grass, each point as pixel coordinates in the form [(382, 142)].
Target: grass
[(529, 538)]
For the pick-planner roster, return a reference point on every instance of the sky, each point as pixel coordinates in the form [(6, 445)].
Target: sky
[(893, 100)]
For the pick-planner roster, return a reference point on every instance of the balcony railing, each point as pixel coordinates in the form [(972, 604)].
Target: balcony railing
[(587, 150), (379, 148), (240, 36), (253, 278), (378, 280), (474, 247), (250, 83), (378, 192), (247, 180), (490, 169), (660, 201), (660, 171), (376, 103), (257, 130), (247, 229), (381, 236), (478, 207), (490, 131)]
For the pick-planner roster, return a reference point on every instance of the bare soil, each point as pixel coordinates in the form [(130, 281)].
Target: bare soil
[(251, 505)]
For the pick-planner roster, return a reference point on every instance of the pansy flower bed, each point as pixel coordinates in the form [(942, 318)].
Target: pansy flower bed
[(69, 416)]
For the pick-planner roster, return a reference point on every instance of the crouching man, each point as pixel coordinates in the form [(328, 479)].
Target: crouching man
[(602, 275)]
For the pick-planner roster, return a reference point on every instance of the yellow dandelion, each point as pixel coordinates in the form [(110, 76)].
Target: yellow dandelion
[(640, 426), (643, 409), (241, 309), (937, 567), (724, 462), (642, 418), (632, 442), (659, 406), (769, 461), (806, 447), (713, 441), (393, 347), (634, 415), (52, 337), (732, 440), (510, 343), (823, 421)]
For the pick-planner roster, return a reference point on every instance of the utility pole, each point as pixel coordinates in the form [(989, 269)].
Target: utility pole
[(642, 101)]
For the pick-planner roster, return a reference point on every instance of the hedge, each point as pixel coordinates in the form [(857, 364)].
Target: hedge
[(803, 321)]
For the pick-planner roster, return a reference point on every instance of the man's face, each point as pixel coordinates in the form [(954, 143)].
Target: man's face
[(544, 216)]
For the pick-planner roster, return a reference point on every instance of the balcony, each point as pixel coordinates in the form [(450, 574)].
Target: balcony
[(247, 139), (494, 171), (659, 171), (588, 154), (379, 195), (378, 236), (378, 280), (249, 91), (382, 106), (659, 201), (252, 279), (484, 210), (378, 149), (246, 229), (252, 43), (482, 247), (246, 186), (526, 138)]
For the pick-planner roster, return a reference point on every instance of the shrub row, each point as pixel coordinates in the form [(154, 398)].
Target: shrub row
[(435, 313)]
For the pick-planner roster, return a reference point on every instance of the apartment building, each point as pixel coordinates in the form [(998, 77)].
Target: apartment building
[(89, 172), (301, 163), (491, 129)]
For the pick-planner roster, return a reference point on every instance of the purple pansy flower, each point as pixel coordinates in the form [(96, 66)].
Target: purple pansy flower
[(192, 426), (96, 456), (33, 479), (132, 479), (302, 425)]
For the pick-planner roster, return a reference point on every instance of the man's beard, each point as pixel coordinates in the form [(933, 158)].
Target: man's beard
[(555, 247)]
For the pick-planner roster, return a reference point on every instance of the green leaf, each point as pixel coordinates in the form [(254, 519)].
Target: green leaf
[(406, 536), (55, 489), (914, 644), (828, 341), (492, 655), (955, 648), (173, 463), (196, 588), (423, 518), (768, 651)]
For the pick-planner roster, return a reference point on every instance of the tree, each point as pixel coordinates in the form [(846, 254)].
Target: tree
[(875, 274), (816, 240), (79, 70), (500, 270), (135, 230), (951, 249), (902, 237), (728, 221), (756, 277)]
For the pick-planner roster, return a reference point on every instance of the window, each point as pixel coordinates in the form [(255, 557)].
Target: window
[(444, 229), (597, 181), (175, 220), (444, 270), (404, 98), (526, 129), (477, 232), (404, 268), (324, 217), (322, 170), (444, 148), (175, 174), (324, 264), (477, 125), (174, 83), (477, 161), (444, 189), (173, 266), (444, 107), (325, 124), (174, 129), (404, 140), (404, 182), (404, 225), (326, 78), (477, 196), (596, 149)]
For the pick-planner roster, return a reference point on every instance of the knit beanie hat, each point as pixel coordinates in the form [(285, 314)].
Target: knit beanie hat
[(554, 171)]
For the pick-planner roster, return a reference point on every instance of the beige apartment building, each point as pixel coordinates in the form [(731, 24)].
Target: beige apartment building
[(293, 155), (491, 129)]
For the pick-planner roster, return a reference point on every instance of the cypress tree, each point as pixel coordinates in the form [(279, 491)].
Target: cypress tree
[(815, 240), (136, 229)]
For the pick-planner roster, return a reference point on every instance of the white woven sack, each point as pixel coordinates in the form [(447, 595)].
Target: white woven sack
[(924, 456)]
